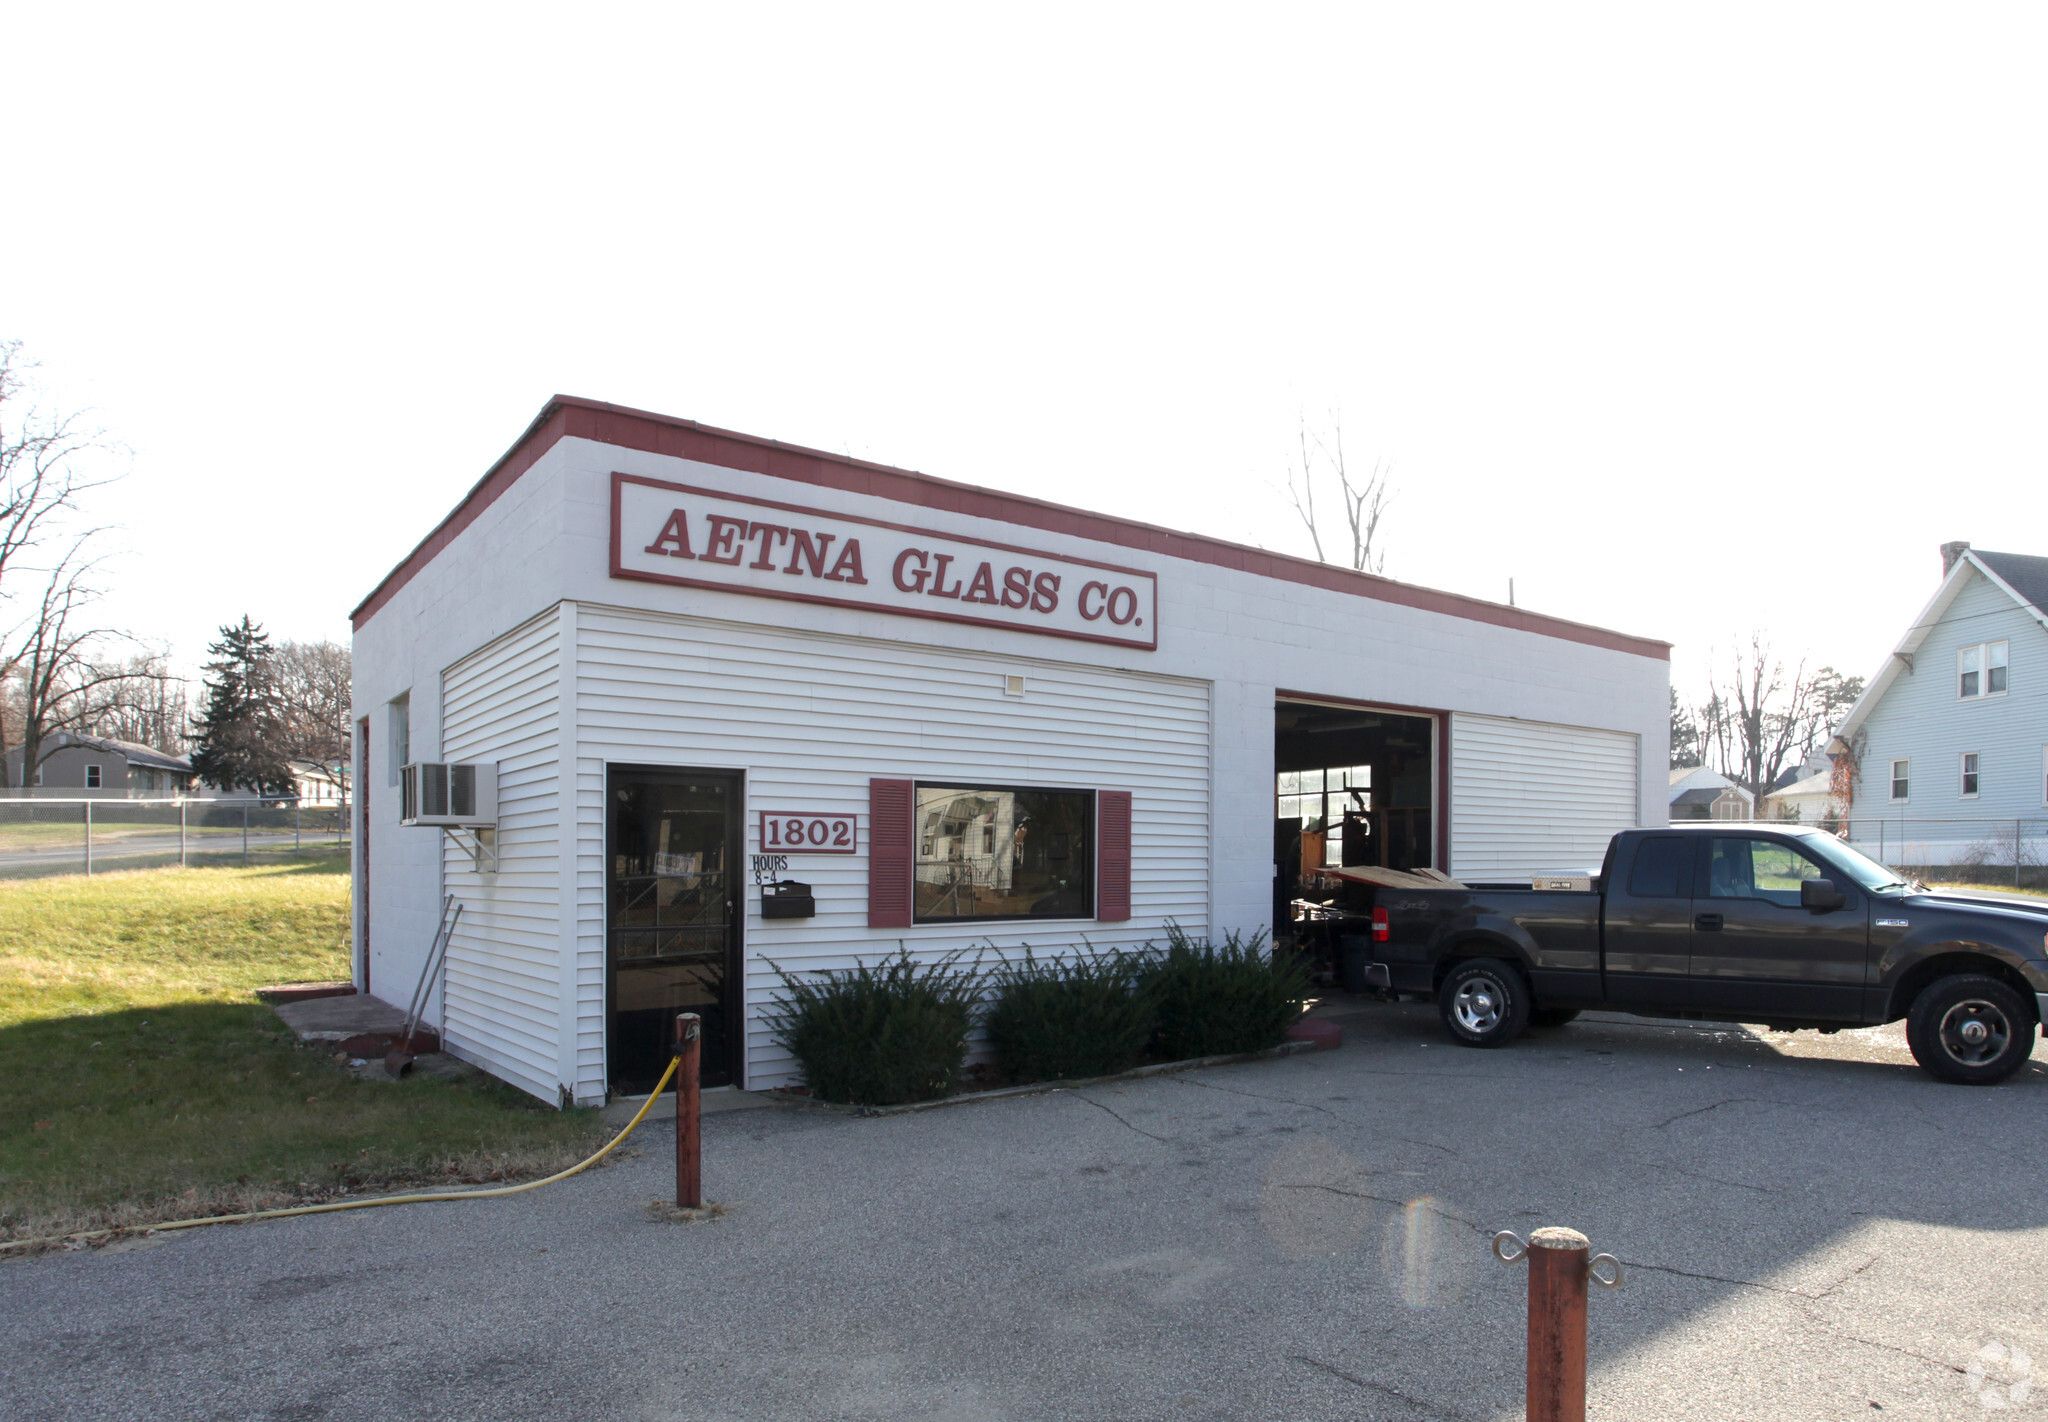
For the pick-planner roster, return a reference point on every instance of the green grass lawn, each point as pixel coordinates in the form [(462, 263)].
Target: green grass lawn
[(46, 834), (144, 1081)]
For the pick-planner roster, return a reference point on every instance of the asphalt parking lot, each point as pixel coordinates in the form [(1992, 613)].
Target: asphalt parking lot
[(1812, 1229)]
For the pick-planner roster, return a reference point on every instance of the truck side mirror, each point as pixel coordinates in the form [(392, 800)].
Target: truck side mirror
[(1819, 895)]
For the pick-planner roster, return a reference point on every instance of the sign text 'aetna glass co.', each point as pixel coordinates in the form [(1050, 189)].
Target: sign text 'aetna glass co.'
[(672, 533)]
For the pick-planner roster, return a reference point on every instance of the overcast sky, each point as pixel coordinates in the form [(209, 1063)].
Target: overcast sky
[(1690, 321)]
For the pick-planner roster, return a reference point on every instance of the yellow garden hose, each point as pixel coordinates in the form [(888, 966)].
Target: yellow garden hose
[(332, 1206)]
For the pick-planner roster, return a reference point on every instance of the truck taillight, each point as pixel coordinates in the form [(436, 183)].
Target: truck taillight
[(1380, 931)]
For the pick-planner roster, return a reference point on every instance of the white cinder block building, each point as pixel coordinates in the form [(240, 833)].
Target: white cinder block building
[(959, 716)]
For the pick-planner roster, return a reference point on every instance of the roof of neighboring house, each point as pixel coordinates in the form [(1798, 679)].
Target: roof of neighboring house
[(1704, 795), (1811, 785), (570, 417), (2022, 572), (1699, 777), (2021, 576), (135, 753)]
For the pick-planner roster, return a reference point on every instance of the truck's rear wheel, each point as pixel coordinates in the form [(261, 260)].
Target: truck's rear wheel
[(1484, 1003), (1970, 1029)]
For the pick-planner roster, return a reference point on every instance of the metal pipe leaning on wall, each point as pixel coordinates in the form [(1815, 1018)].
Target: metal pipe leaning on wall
[(1559, 1270)]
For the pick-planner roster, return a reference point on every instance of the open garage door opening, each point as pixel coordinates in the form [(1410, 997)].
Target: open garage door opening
[(1353, 785)]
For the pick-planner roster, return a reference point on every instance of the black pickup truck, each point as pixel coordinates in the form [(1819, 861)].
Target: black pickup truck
[(1778, 924)]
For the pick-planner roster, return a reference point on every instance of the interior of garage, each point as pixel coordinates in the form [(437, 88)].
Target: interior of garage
[(1352, 785)]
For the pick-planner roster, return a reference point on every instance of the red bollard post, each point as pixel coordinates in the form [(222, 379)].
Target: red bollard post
[(689, 1178), (1557, 1326)]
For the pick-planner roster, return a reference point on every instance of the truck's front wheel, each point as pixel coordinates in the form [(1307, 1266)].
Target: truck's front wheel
[(1970, 1029), (1484, 1003)]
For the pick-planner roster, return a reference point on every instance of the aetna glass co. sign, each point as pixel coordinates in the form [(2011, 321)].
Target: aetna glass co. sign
[(699, 538)]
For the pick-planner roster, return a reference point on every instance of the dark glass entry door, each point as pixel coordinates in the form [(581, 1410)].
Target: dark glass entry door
[(672, 919)]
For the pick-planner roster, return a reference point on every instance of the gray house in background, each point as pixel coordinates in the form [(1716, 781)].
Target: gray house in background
[(1951, 738), (1698, 793), (99, 765)]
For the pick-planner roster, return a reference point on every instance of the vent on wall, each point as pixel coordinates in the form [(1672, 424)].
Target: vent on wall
[(462, 794)]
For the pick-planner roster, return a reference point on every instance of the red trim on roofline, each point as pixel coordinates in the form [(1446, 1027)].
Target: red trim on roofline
[(569, 416)]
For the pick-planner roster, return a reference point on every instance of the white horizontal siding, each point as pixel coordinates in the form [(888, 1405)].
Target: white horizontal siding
[(810, 718), (1528, 797), (502, 988)]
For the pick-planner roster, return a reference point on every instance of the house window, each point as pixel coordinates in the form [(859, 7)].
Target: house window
[(1969, 775), (401, 735), (1981, 671), (92, 777), (1901, 781), (988, 851)]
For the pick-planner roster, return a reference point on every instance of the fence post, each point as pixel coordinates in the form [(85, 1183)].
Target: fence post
[(1557, 1325), (295, 828), (181, 834), (689, 1180), (88, 839), (245, 832)]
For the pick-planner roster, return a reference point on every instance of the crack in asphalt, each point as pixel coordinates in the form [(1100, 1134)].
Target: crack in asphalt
[(1311, 1106), (1753, 1283), (1702, 1110), (1261, 1096), (1356, 1381), (1717, 1180), (1119, 1119), (1448, 1214)]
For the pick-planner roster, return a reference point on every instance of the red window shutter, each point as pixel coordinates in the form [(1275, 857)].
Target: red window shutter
[(1113, 855), (889, 857)]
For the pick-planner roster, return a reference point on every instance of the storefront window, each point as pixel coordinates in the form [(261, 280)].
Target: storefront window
[(1003, 852), (1319, 799)]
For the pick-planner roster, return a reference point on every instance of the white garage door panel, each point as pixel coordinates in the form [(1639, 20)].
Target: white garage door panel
[(1530, 798)]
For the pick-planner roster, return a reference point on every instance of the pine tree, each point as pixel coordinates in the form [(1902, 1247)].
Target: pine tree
[(237, 736)]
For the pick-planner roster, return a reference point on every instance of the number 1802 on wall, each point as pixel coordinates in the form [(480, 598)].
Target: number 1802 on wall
[(807, 832)]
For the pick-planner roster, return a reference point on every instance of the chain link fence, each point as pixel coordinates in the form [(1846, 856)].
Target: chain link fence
[(1997, 853), (94, 836)]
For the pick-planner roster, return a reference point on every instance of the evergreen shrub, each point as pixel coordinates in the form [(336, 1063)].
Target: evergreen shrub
[(880, 1034), (1212, 1000), (1086, 1015)]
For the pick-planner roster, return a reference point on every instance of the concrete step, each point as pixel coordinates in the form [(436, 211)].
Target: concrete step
[(361, 1025)]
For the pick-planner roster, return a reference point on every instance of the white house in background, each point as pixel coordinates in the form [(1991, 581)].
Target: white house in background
[(1951, 738), (319, 784), (1810, 801), (1698, 793)]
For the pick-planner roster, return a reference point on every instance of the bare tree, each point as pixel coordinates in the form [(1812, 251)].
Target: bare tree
[(1363, 503), (141, 701), (42, 459), (53, 661), (1767, 713), (45, 466), (309, 686)]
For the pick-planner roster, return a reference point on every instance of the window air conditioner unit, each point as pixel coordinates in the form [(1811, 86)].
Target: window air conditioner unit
[(462, 795)]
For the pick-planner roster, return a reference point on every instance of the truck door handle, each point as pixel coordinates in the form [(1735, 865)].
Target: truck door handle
[(1707, 922)]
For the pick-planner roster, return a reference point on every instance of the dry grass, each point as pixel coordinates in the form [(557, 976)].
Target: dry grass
[(146, 1083)]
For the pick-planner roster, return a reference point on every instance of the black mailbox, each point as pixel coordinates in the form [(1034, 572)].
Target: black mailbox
[(786, 898)]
